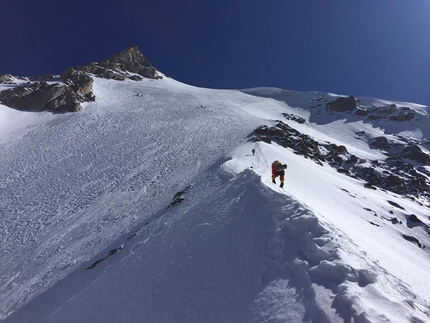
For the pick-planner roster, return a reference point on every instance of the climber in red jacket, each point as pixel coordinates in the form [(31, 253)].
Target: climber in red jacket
[(278, 169)]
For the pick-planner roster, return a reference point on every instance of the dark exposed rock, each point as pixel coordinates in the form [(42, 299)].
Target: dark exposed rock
[(336, 159), (100, 71), (392, 181), (41, 96), (110, 253), (396, 205), (414, 221), (343, 104), (395, 173), (369, 174), (352, 159), (341, 149), (380, 142), (132, 60), (287, 136), (294, 118), (136, 78), (369, 185), (120, 65), (413, 240), (80, 82), (360, 113), (65, 93), (405, 115), (389, 112), (57, 97), (414, 152), (414, 218), (417, 179), (179, 198)]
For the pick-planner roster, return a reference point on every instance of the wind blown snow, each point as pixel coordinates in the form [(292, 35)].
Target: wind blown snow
[(148, 206)]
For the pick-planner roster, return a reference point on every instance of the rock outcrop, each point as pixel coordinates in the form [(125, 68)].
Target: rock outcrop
[(66, 92), (405, 115), (390, 112), (414, 152), (127, 64), (343, 104), (41, 96), (80, 82), (402, 172)]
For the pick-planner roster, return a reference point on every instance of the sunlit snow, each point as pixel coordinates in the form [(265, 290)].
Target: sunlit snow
[(91, 231)]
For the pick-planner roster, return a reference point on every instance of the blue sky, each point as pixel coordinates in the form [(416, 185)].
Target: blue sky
[(377, 48)]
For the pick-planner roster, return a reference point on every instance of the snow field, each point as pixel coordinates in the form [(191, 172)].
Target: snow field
[(237, 249), (73, 183)]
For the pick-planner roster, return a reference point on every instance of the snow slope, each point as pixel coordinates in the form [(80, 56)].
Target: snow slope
[(91, 233)]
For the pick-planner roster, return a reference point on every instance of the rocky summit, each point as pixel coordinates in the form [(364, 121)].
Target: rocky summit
[(66, 92), (128, 64)]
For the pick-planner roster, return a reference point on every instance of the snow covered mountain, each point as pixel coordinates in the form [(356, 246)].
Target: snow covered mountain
[(148, 205)]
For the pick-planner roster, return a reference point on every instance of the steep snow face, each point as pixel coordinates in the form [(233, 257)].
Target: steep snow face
[(360, 222), (151, 206), (72, 183), (240, 249)]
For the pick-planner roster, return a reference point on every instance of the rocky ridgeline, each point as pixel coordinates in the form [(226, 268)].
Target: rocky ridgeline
[(403, 171), (390, 112), (66, 92)]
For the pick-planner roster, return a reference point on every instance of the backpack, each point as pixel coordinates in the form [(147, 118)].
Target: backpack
[(280, 168)]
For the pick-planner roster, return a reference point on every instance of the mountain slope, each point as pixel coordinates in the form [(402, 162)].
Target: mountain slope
[(72, 183), (230, 246)]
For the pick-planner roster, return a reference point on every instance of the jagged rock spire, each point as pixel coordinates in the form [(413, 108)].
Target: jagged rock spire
[(122, 65), (132, 60)]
